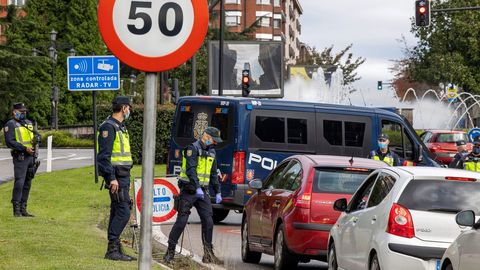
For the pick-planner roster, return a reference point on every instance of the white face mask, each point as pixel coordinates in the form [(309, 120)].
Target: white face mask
[(127, 115)]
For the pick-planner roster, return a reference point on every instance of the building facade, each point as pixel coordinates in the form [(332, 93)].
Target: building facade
[(3, 12), (276, 20)]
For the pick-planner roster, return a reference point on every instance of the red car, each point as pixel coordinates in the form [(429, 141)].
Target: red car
[(443, 143), (291, 214)]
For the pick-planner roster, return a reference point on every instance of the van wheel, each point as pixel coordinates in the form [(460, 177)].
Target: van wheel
[(248, 256), (375, 264), (284, 259), (219, 215), (332, 258)]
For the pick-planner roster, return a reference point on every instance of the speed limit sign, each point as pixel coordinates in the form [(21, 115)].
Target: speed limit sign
[(153, 35)]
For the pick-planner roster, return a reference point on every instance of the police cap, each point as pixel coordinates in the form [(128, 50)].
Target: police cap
[(215, 133), (19, 106), (383, 136), (461, 142), (121, 100)]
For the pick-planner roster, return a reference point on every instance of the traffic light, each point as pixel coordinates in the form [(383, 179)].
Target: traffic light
[(245, 83), (422, 12), (379, 85)]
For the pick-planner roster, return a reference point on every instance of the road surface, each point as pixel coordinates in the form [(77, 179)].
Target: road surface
[(62, 159), (227, 244)]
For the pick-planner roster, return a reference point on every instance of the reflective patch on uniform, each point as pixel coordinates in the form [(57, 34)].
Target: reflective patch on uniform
[(6, 129), (189, 153), (105, 134)]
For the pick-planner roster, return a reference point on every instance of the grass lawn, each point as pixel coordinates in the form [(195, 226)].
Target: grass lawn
[(65, 233)]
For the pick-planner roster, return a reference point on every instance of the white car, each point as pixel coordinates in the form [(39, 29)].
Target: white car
[(464, 252), (401, 218)]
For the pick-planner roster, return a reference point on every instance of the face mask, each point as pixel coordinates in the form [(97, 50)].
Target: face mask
[(208, 142), (127, 115), (382, 145), (19, 116)]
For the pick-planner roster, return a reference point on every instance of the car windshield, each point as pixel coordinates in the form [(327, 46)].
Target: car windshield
[(451, 137), (441, 196), (338, 180)]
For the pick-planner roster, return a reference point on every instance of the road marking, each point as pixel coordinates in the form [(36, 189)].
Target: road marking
[(62, 157), (8, 158), (229, 231), (81, 158)]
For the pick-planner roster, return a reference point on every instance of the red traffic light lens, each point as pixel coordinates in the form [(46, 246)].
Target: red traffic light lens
[(246, 79), (422, 10)]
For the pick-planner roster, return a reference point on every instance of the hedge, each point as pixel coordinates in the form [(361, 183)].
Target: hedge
[(135, 128), (60, 139)]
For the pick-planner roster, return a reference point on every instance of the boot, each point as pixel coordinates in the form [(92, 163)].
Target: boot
[(209, 256), (16, 209), (23, 209), (168, 258), (120, 249), (113, 252)]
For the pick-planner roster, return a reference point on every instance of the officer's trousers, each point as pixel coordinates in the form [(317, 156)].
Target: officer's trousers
[(119, 212), (22, 163), (204, 209)]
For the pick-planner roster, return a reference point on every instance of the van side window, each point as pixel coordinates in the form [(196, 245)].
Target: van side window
[(220, 121), (400, 142), (270, 129), (297, 131), (185, 125), (332, 131), (354, 133)]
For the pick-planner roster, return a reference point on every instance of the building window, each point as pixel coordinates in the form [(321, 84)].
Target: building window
[(263, 21), (276, 3), (264, 2), (277, 23), (233, 2), (16, 2), (232, 20)]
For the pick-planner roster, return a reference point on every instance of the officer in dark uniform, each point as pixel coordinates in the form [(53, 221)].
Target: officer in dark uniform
[(114, 164), (19, 136), (199, 173), (383, 153), (462, 153)]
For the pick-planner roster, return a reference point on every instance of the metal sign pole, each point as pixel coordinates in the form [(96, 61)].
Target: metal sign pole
[(148, 163), (95, 142)]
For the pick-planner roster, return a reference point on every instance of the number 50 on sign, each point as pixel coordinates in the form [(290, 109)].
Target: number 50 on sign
[(153, 35)]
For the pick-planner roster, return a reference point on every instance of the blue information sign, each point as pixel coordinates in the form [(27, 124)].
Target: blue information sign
[(474, 133), (92, 73)]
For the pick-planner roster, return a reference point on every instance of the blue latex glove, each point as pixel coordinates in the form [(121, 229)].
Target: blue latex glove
[(199, 193), (218, 198)]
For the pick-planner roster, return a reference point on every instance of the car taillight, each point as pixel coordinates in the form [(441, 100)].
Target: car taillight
[(465, 179), (400, 222), (238, 173), (304, 198)]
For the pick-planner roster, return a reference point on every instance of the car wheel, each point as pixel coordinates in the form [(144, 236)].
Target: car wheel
[(219, 215), (375, 264), (449, 267), (283, 258), (332, 258), (248, 256)]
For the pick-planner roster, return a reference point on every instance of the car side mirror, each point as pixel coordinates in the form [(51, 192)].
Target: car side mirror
[(465, 218), (340, 205), (419, 158), (256, 184)]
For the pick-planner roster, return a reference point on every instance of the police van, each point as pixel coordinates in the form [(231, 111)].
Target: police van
[(258, 134)]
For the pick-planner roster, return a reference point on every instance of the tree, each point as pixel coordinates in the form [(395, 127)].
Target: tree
[(448, 49), (76, 24), (326, 59)]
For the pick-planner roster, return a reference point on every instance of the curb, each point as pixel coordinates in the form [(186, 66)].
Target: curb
[(161, 238)]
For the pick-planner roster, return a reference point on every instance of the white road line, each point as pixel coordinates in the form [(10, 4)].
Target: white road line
[(64, 157), (8, 158), (81, 158)]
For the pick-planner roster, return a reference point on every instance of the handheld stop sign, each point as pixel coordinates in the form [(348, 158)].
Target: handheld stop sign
[(153, 35)]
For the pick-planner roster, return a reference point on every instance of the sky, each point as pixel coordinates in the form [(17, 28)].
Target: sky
[(373, 26)]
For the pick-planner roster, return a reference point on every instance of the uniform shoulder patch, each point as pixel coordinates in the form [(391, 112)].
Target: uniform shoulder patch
[(189, 153), (105, 133), (6, 129)]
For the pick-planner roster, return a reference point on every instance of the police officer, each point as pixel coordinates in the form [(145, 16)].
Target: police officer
[(462, 153), (471, 162), (114, 164), (383, 153), (199, 172), (19, 136)]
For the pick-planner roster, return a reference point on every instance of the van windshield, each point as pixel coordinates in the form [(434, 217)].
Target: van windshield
[(338, 180), (191, 121), (441, 195)]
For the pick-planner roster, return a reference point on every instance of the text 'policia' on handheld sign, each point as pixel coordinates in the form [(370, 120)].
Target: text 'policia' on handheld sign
[(153, 35)]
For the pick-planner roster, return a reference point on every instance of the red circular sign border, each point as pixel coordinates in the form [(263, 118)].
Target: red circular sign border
[(153, 64), (169, 185)]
